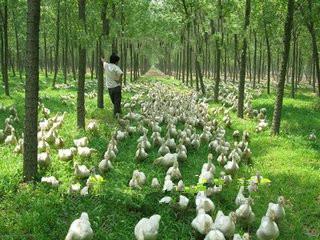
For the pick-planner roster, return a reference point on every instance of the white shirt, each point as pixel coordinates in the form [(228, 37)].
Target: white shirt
[(113, 73)]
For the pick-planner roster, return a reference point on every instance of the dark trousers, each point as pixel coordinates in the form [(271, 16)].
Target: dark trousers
[(115, 96)]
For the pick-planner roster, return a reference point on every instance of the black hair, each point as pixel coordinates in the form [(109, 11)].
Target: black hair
[(114, 58)]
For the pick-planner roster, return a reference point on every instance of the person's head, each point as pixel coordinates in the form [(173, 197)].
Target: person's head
[(114, 58)]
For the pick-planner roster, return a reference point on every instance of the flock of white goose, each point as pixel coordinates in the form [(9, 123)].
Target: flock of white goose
[(187, 123)]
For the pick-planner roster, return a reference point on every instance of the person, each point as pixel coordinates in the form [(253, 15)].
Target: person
[(113, 79)]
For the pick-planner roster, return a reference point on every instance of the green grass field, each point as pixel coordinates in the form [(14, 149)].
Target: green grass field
[(38, 212)]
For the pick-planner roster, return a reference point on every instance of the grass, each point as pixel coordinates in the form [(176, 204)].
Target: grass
[(38, 212)]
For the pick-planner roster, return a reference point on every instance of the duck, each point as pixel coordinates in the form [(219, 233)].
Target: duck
[(312, 137), (215, 235), (180, 186), (81, 142), (43, 146), (244, 213), (80, 229), (231, 167), (167, 160), (105, 165), (66, 154), (85, 152), (84, 191), (131, 129), (170, 142), (110, 153), (168, 184), (183, 202), (50, 181), (165, 200), (75, 188), (155, 127), (205, 136), (155, 183), (268, 229), (141, 154), (81, 171), (202, 223), (236, 135), (174, 171), (121, 135), (138, 179), (19, 149), (203, 202), (195, 143), (92, 126), (277, 209), (44, 159), (226, 224), (226, 178), (157, 139), (240, 199), (207, 171), (11, 139), (147, 228), (51, 135), (245, 236), (222, 159), (59, 142), (246, 154), (163, 150)]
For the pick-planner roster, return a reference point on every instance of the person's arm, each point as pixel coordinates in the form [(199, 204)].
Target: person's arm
[(120, 79), (104, 63)]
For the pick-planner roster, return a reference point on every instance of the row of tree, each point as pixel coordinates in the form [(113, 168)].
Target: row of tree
[(191, 40)]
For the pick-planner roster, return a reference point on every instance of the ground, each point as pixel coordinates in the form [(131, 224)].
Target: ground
[(290, 161)]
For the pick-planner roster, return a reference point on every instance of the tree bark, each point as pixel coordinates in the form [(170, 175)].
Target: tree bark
[(241, 95), (293, 70), (268, 57), (56, 56), (82, 68), (255, 60), (285, 56), (218, 58), (5, 50), (31, 92), (17, 45)]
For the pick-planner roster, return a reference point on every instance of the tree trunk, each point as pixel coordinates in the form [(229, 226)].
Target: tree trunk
[(45, 54), (82, 69), (268, 57), (218, 57), (31, 92), (285, 56), (17, 45), (6, 50), (235, 60), (65, 66), (293, 70), (56, 55), (255, 60), (241, 96)]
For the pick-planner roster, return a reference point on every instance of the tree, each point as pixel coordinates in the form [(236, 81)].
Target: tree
[(285, 56), (56, 55), (218, 58), (105, 32), (82, 67), (4, 17), (243, 61), (309, 21), (31, 91)]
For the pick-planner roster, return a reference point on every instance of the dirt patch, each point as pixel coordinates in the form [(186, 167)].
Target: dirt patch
[(154, 72)]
